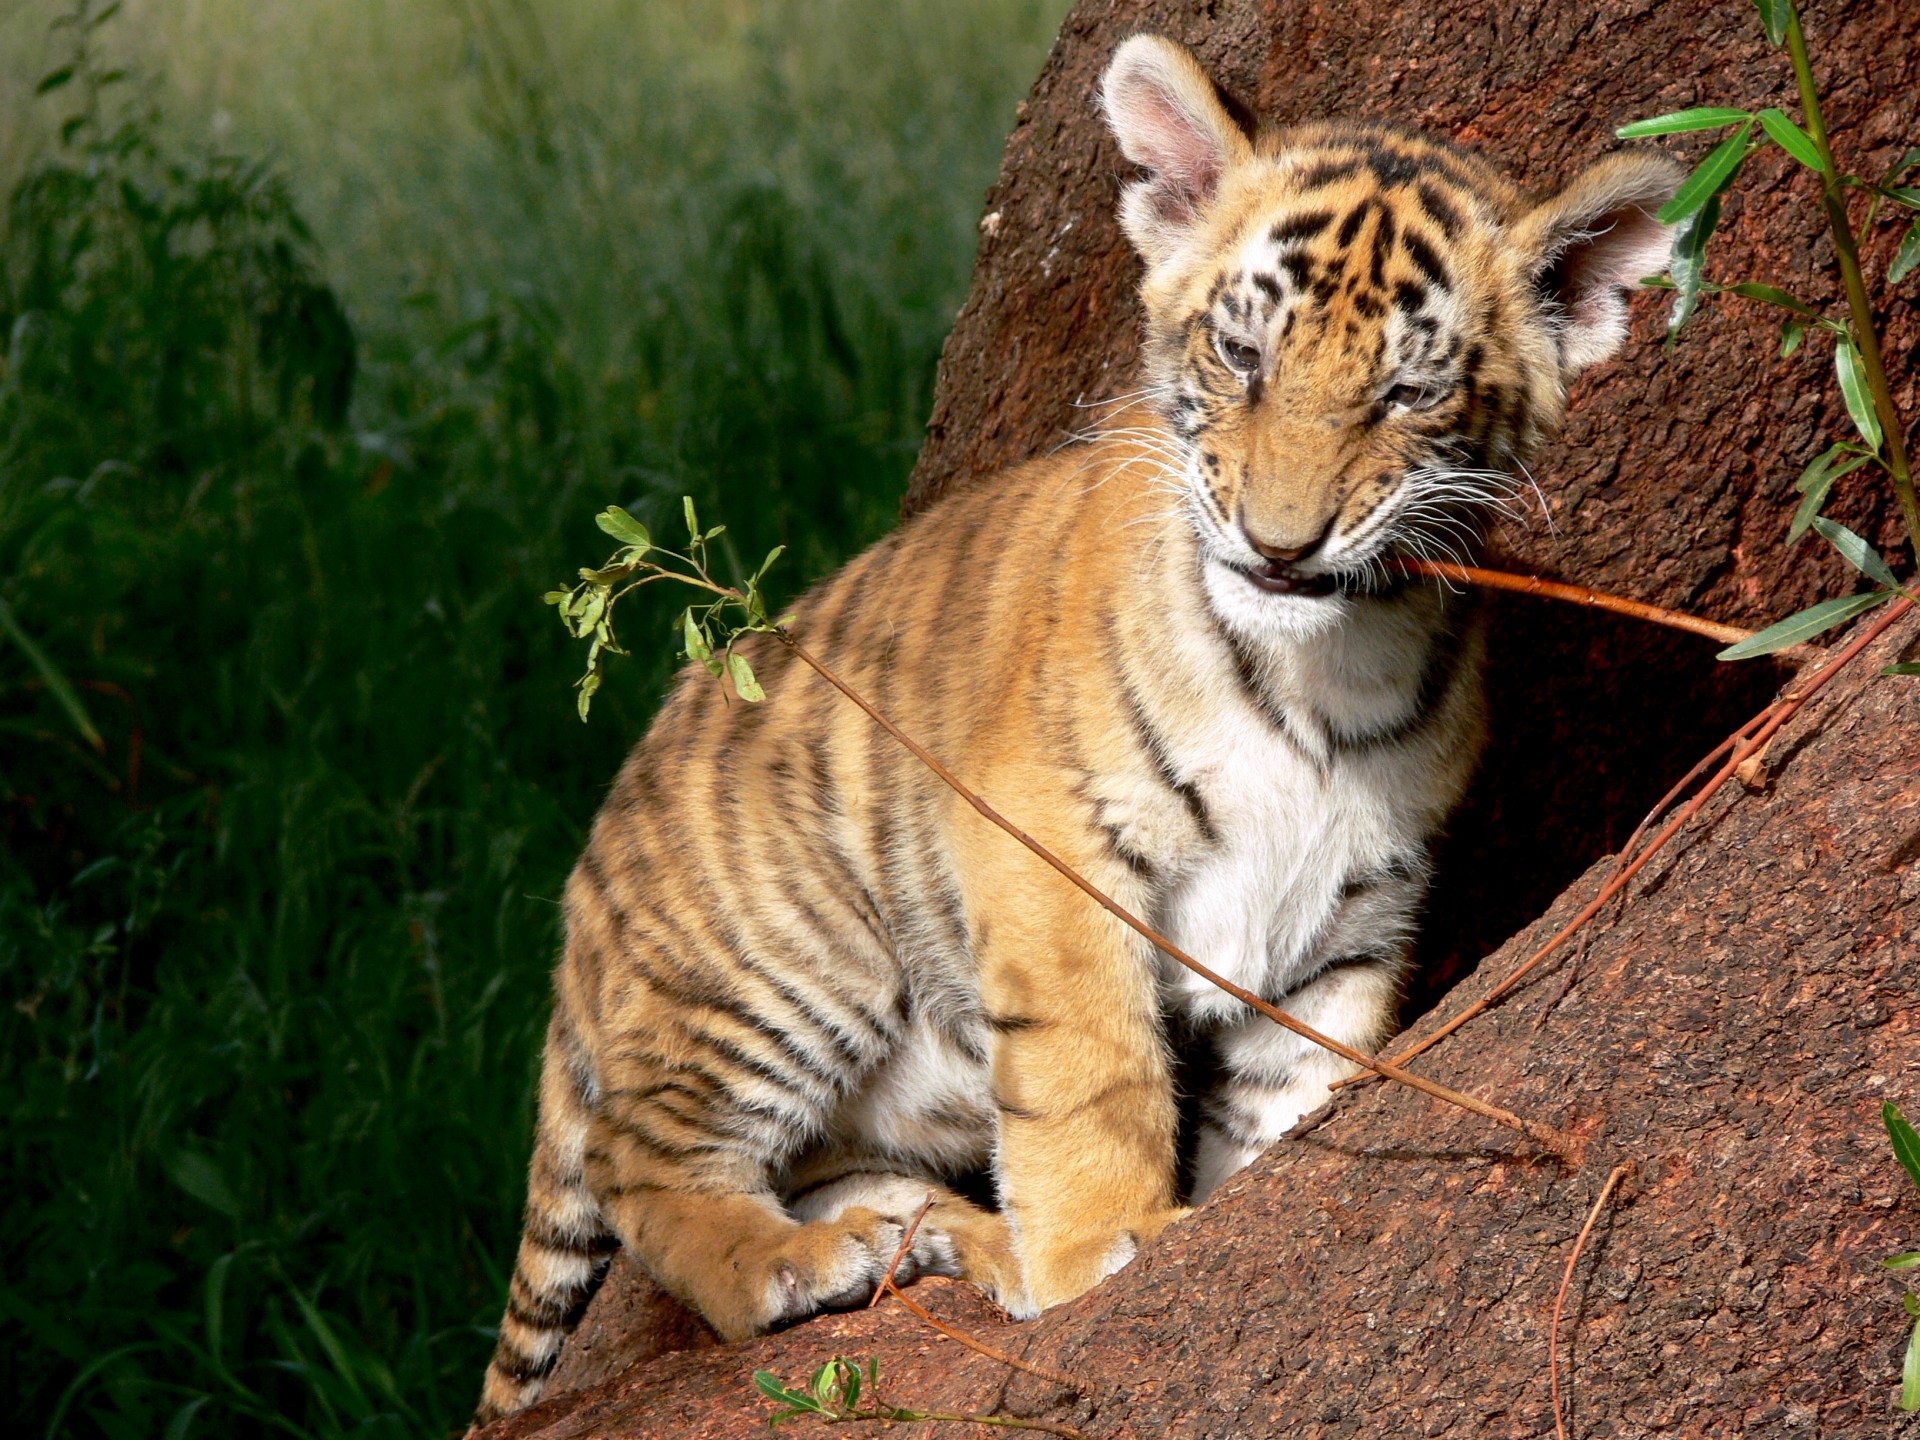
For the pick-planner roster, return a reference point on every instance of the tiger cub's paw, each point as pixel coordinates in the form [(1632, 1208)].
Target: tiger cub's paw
[(1057, 1273), (837, 1264)]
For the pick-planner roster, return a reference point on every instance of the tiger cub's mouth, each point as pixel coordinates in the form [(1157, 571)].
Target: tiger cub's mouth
[(1277, 577)]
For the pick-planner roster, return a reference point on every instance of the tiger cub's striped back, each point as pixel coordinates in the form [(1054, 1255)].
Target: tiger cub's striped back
[(804, 984)]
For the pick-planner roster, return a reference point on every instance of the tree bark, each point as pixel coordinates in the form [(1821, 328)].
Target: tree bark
[(1731, 1032)]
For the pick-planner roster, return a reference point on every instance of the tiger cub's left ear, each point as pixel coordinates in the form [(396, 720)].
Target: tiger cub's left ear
[(1584, 248)]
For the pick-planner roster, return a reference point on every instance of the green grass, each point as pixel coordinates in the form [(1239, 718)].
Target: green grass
[(276, 507)]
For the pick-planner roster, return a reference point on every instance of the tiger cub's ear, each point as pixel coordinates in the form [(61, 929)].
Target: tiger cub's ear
[(1582, 249), (1170, 121)]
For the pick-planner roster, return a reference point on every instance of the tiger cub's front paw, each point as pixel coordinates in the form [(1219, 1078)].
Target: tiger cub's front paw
[(1059, 1271)]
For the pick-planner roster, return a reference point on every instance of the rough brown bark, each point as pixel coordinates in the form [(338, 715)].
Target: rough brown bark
[(1734, 1030)]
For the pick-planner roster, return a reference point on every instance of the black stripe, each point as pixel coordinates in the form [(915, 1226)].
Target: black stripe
[(1156, 747), (1350, 227), (1012, 1024), (543, 1232), (1436, 205), (1328, 171), (1426, 259), (1302, 226), (1438, 672), (519, 1368)]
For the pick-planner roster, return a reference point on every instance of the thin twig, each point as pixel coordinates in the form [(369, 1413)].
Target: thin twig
[(982, 1348), (1544, 1135), (1777, 715), (886, 1280), (887, 1287), (1553, 1335), (1575, 595)]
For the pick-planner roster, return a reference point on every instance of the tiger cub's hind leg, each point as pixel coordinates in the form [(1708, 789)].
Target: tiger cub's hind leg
[(565, 1246)]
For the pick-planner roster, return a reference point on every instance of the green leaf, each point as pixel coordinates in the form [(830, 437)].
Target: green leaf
[(1857, 553), (696, 640), (1773, 18), (1792, 332), (744, 684), (623, 527), (588, 685), (1812, 621), (196, 1174), (1906, 1144), (1822, 463), (767, 564), (1910, 1371), (849, 1385), (1853, 386), (556, 597), (1705, 117), (1912, 1257), (1816, 492), (53, 80), (1906, 257), (1709, 177), (1905, 667), (693, 519), (1688, 262), (1905, 195), (587, 612), (771, 1386), (1790, 138), (1772, 295)]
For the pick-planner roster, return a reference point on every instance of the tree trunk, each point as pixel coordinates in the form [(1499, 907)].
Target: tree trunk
[(1731, 1034)]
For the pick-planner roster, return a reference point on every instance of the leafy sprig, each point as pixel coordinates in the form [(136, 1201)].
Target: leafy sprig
[(1906, 1147), (708, 630), (1694, 211), (832, 1395)]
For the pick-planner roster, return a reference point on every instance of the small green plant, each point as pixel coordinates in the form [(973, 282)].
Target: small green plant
[(706, 632), (1906, 1147), (833, 1397), (1880, 436)]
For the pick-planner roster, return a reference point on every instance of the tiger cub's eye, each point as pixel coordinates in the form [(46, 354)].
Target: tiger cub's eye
[(1241, 358), (1415, 397)]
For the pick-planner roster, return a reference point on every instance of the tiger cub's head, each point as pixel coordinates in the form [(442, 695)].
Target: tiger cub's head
[(1355, 334)]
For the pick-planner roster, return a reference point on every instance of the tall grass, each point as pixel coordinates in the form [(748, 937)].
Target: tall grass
[(287, 452)]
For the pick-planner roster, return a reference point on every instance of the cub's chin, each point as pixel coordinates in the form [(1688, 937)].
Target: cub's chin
[(1273, 608)]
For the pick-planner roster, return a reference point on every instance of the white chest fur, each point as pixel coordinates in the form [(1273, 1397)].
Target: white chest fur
[(1324, 762)]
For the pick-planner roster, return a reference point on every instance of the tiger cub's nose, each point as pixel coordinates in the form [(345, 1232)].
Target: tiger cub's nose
[(1289, 553)]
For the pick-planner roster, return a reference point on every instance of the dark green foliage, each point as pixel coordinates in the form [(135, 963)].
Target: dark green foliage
[(288, 784)]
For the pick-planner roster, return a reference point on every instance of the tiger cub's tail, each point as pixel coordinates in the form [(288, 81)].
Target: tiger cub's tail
[(565, 1247)]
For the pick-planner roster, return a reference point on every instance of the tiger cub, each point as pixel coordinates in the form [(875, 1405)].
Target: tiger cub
[(804, 985)]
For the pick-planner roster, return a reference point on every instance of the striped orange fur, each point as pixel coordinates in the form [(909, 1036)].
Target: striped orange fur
[(803, 984)]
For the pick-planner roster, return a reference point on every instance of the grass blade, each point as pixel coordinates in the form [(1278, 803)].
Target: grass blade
[(55, 682), (1853, 386), (1704, 117), (1804, 625)]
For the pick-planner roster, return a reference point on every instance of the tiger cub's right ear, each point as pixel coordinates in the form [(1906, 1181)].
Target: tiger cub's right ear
[(1169, 120)]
